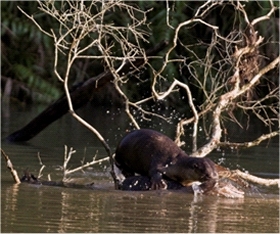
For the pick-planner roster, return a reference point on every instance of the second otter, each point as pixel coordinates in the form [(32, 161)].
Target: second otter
[(150, 153)]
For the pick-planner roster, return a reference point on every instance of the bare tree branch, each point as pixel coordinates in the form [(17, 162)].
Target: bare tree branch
[(249, 144), (255, 179), (224, 101), (67, 158)]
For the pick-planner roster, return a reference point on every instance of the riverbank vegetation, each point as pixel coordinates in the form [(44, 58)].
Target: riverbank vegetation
[(28, 54)]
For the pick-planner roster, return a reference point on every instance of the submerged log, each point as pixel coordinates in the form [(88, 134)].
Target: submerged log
[(80, 96)]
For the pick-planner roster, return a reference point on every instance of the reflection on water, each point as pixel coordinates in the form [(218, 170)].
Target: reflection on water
[(30, 208), (35, 208)]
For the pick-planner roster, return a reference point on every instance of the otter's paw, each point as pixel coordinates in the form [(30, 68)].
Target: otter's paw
[(158, 182), (159, 185)]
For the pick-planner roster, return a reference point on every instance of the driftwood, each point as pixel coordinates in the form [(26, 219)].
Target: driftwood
[(80, 96), (28, 177), (11, 167)]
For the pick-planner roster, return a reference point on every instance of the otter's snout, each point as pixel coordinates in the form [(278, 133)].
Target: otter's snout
[(208, 170)]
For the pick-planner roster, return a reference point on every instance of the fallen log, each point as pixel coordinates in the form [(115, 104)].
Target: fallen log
[(80, 96)]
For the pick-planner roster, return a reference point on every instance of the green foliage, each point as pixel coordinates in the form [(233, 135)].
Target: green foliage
[(36, 83), (27, 54)]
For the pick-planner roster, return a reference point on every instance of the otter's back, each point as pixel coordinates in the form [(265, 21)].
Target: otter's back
[(142, 149)]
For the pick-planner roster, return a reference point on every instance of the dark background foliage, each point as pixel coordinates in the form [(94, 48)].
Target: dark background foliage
[(27, 54)]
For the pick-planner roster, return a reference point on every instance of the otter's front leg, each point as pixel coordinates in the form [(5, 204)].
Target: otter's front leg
[(156, 181)]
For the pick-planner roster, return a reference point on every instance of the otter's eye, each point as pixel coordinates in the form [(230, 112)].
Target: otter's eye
[(195, 166)]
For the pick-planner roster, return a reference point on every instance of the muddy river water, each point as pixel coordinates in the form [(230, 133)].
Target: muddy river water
[(101, 208)]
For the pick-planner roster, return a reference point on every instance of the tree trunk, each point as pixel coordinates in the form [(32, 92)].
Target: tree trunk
[(80, 96)]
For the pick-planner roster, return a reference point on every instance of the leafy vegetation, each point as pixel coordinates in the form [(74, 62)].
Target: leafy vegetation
[(28, 54)]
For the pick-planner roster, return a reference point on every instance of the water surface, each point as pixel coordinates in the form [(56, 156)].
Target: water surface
[(101, 208)]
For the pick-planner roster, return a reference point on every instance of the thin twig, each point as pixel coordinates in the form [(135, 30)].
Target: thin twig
[(11, 167), (93, 162), (42, 166)]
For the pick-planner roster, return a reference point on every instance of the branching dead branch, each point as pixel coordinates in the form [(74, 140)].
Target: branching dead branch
[(67, 158), (224, 101), (88, 164), (243, 81)]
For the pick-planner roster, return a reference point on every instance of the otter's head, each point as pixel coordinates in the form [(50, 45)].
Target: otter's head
[(189, 169), (204, 168)]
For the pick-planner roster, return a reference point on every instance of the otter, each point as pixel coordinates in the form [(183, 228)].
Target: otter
[(154, 155)]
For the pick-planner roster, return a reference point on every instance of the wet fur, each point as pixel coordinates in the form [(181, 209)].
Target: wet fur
[(150, 153)]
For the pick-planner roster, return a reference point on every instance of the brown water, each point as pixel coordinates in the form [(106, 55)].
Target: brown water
[(101, 208)]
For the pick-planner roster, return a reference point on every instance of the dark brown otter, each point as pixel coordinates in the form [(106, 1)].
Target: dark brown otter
[(150, 153)]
